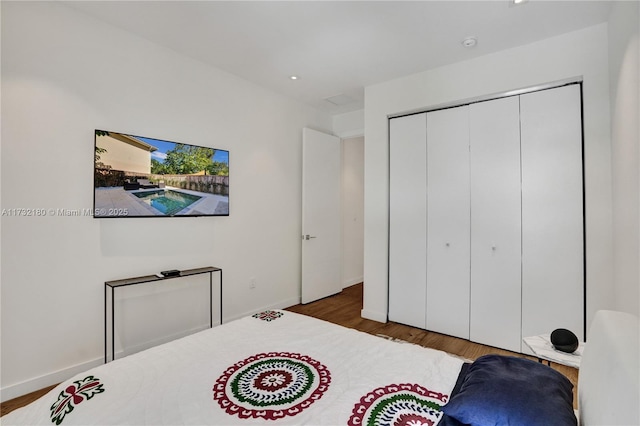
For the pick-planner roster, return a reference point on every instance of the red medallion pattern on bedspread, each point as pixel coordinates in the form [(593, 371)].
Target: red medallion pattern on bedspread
[(268, 315), (273, 367), (74, 394), (271, 385)]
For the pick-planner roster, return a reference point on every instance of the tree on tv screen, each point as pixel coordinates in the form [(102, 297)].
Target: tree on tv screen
[(217, 168), (184, 160)]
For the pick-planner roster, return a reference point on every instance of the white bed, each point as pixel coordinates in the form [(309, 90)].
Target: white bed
[(278, 367), (608, 383)]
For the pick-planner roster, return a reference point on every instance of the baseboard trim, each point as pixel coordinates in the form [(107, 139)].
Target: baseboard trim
[(46, 380), (159, 341), (352, 281), (37, 383), (375, 316), (59, 376)]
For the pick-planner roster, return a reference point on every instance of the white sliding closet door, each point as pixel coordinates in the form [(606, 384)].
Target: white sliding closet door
[(495, 224), (408, 219), (552, 212), (448, 221)]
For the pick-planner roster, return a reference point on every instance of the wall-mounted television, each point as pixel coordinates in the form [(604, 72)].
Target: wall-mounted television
[(136, 176)]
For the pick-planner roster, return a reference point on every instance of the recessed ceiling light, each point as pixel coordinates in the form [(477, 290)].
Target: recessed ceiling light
[(469, 42), (517, 2), (294, 77)]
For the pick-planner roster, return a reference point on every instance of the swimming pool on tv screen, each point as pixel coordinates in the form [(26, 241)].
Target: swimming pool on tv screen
[(168, 202)]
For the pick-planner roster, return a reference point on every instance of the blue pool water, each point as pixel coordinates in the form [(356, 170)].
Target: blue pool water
[(167, 201)]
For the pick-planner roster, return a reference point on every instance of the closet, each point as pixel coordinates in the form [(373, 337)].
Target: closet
[(486, 236), (448, 224)]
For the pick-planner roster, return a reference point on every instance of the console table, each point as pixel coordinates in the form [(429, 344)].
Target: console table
[(112, 285)]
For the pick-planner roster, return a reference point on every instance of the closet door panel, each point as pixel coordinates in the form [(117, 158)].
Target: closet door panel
[(448, 223), (407, 219), (552, 212), (495, 224)]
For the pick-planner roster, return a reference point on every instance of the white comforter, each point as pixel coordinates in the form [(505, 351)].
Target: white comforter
[(275, 367)]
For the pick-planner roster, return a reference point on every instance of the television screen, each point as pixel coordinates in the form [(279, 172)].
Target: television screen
[(136, 176)]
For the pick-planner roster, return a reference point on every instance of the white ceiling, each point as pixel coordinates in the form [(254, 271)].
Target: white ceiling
[(339, 47)]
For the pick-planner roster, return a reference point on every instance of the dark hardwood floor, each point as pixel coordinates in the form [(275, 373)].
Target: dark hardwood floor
[(344, 309)]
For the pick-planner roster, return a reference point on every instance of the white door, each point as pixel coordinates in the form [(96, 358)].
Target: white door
[(448, 223), (495, 224), (408, 219), (552, 212), (321, 215)]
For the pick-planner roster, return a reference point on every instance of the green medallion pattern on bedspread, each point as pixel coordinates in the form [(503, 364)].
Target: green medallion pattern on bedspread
[(271, 385), (274, 367)]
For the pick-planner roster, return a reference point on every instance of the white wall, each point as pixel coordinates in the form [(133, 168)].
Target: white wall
[(581, 53), (65, 74), (349, 124), (350, 127), (352, 211), (624, 55)]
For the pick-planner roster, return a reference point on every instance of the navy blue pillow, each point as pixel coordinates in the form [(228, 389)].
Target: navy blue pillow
[(504, 390)]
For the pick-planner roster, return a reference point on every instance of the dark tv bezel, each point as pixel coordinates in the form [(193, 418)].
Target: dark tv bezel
[(95, 209)]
